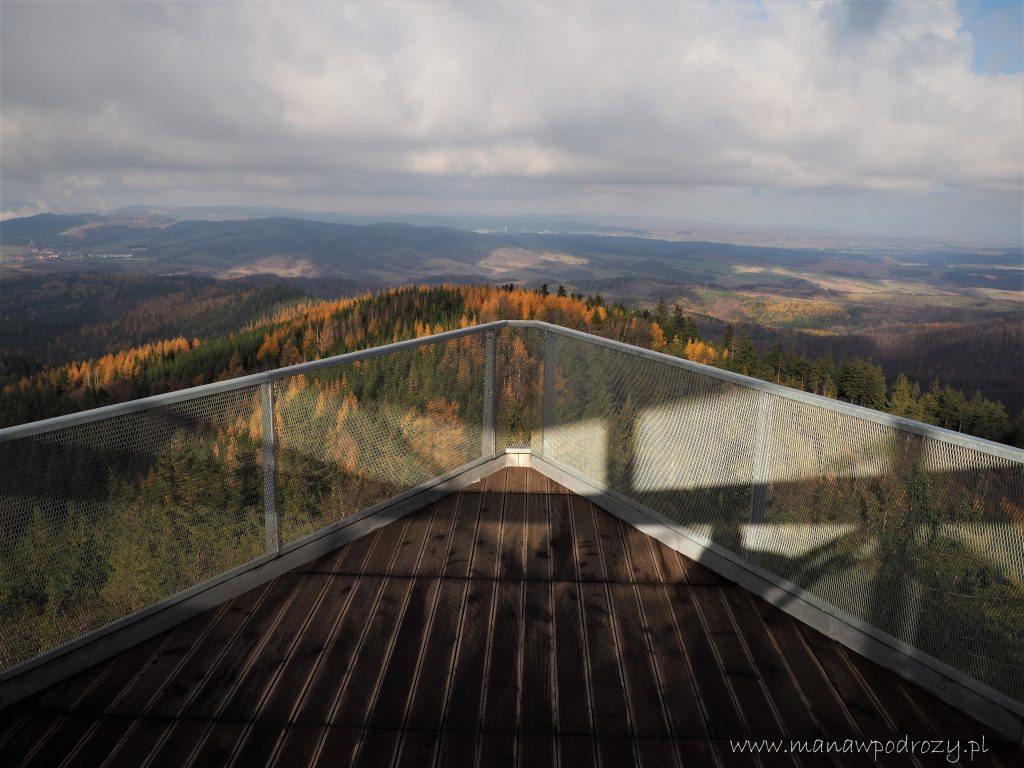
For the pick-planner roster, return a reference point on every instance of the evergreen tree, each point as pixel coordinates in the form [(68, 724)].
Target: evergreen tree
[(905, 398), (661, 314)]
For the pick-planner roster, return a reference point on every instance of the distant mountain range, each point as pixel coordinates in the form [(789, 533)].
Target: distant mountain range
[(153, 242)]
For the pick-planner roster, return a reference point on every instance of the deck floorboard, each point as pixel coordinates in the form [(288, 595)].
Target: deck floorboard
[(512, 623)]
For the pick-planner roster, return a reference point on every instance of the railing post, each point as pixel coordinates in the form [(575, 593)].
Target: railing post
[(488, 446), (548, 404), (758, 477), (271, 514)]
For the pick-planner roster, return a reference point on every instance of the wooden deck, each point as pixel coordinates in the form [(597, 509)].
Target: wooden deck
[(511, 624)]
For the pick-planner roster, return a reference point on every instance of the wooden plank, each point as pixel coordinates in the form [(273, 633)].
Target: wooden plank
[(435, 549), (220, 641), (586, 542), (536, 750), (120, 671), (699, 574), (504, 666), (641, 680), (466, 690), (613, 549), (905, 716), (541, 483), (655, 753), (179, 744), (571, 660), (134, 698), (695, 752), (512, 559), (739, 669), (516, 479), (872, 723), (670, 565), (140, 741), (407, 556), (339, 747), (10, 720), (245, 648), (951, 723), (418, 749), (309, 649), (609, 697), (537, 690), (219, 745), (63, 696), (563, 552), (97, 745), (458, 749), (712, 609), (488, 531), (251, 689), (642, 565), (576, 751), (258, 745), (538, 534), (460, 550), (778, 680), (426, 710), (350, 558), (723, 717), (678, 690), (396, 684), (30, 733), (299, 745), (756, 707), (497, 750), (61, 741), (388, 540), (353, 705), (325, 685), (825, 704), (377, 748), (612, 751)]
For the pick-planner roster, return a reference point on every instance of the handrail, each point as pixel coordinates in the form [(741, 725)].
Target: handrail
[(180, 395), (820, 401)]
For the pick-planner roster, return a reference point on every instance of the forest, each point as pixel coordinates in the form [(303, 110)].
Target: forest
[(284, 328)]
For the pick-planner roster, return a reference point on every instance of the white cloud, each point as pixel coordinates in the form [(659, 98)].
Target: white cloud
[(420, 101)]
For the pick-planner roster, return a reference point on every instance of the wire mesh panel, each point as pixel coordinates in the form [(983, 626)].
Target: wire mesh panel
[(918, 537), (100, 520), (360, 433), (676, 441), (518, 387)]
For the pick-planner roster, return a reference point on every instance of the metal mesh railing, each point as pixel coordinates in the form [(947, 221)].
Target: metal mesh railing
[(920, 537), (357, 434), (102, 519), (126, 508), (519, 387), (906, 528)]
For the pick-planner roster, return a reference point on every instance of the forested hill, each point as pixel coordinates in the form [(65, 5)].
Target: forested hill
[(308, 329)]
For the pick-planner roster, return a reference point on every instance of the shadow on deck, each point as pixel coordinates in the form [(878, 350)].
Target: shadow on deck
[(511, 623)]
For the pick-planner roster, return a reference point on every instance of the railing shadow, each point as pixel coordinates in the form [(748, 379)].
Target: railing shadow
[(922, 539)]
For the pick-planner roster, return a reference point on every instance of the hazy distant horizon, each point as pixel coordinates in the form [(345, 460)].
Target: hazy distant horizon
[(899, 119), (655, 227)]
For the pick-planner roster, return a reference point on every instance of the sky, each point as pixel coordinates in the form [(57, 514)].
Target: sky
[(903, 118)]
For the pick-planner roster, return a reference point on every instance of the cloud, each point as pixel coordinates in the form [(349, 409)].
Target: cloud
[(257, 103)]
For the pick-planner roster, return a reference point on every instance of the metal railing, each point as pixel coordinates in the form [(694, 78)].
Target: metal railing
[(915, 532)]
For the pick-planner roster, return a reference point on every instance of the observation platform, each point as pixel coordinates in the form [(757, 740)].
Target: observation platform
[(511, 623)]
